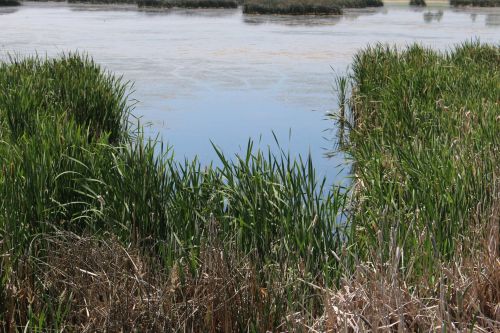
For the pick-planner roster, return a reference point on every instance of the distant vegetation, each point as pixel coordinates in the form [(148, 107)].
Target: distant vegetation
[(9, 3), (476, 3), (301, 7), (420, 3)]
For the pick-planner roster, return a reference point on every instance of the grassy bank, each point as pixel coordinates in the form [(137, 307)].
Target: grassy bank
[(476, 3), (102, 229), (187, 4), (305, 7)]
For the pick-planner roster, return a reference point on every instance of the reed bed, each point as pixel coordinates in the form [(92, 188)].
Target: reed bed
[(104, 230), (422, 130), (423, 135), (70, 163)]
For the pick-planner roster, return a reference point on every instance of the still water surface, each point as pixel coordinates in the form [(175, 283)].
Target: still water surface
[(219, 75)]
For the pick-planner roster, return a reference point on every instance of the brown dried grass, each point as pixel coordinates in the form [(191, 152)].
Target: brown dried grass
[(102, 285), (463, 296)]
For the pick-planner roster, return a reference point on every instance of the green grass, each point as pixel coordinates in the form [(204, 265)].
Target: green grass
[(475, 3), (69, 162), (424, 139), (103, 229)]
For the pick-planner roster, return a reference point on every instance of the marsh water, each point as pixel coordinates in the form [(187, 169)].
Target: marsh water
[(222, 76)]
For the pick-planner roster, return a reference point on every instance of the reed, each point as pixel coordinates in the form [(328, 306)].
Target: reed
[(423, 139), (103, 229), (70, 163)]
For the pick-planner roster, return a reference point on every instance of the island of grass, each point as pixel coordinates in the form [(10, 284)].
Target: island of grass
[(103, 230), (9, 3), (187, 4), (476, 3), (305, 7)]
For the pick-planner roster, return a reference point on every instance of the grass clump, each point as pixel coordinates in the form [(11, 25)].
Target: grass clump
[(423, 135), (476, 3)]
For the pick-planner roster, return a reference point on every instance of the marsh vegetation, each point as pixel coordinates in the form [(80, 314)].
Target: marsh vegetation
[(101, 228)]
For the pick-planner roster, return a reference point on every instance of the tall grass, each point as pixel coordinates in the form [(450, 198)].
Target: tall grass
[(424, 138), (103, 229), (69, 162)]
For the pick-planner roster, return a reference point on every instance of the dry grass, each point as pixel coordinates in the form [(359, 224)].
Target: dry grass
[(378, 297), (104, 286), (87, 284)]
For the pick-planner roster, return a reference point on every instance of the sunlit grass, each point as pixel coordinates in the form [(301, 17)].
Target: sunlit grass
[(69, 162), (424, 139), (102, 228)]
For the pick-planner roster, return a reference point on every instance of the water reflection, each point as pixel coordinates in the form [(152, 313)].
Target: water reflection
[(81, 7), (288, 20), (10, 10), (493, 19), (190, 12), (433, 16), (311, 20)]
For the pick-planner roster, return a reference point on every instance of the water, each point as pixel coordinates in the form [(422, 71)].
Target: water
[(219, 75)]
